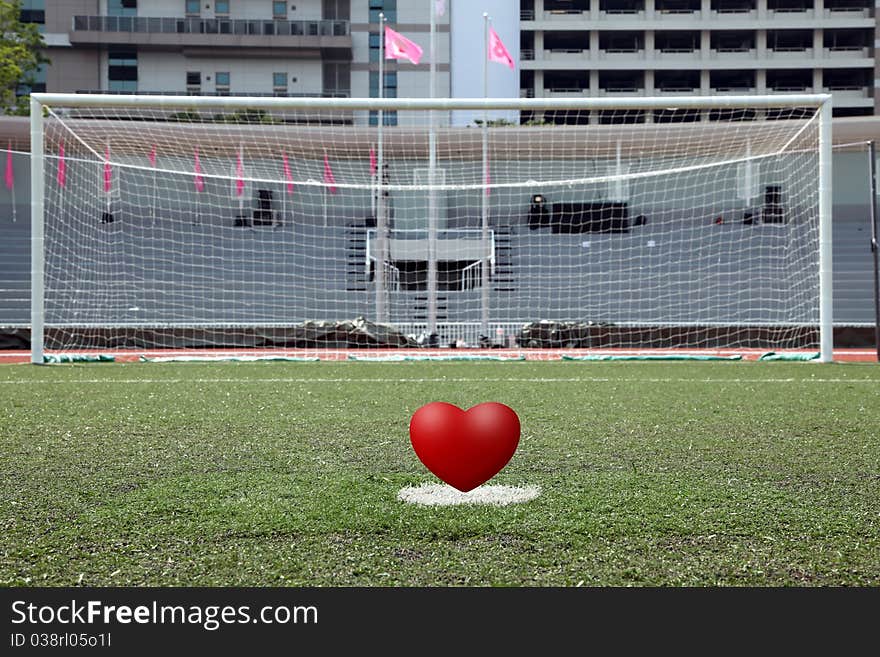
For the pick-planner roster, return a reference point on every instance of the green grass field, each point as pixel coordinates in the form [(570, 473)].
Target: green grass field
[(287, 474)]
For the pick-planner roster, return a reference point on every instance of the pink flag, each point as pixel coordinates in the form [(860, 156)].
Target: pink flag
[(62, 167), (197, 168), (328, 175), (108, 171), (374, 164), (152, 156), (10, 174), (497, 52), (239, 176), (287, 175), (398, 46)]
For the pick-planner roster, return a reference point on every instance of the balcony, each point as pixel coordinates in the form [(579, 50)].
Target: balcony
[(733, 53), (678, 91), (626, 54), (790, 53), (733, 91), (565, 54), (791, 13), (847, 52), (677, 54), (847, 12), (621, 14), (621, 91), (212, 32), (851, 95), (573, 15), (566, 93), (332, 93)]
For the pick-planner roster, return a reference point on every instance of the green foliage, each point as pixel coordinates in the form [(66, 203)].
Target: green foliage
[(186, 116), (258, 474), (247, 116), (21, 54)]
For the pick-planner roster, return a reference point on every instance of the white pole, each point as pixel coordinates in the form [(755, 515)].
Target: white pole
[(155, 199), (14, 212), (379, 260), (373, 187), (240, 195), (826, 315), (432, 169), (484, 233), (108, 192), (37, 241)]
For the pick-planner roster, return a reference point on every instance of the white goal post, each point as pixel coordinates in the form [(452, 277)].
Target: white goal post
[(244, 222)]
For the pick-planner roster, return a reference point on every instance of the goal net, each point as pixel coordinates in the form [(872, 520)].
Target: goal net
[(337, 224)]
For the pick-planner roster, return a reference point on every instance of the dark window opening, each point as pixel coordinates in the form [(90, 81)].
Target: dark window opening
[(683, 41), (733, 41), (621, 80), (621, 41), (677, 80), (738, 80), (790, 79)]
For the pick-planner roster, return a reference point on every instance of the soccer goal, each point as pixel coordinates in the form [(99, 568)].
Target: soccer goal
[(325, 224)]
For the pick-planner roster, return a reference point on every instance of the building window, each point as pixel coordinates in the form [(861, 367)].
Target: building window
[(221, 7), (122, 73), (193, 81), (122, 7), (374, 46), (221, 81), (279, 11), (33, 11), (193, 7), (279, 82), (387, 7)]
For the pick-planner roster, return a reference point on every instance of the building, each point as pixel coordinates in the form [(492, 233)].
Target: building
[(620, 48), (592, 48), (243, 47)]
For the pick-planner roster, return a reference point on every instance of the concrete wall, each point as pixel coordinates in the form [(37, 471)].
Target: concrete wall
[(166, 71)]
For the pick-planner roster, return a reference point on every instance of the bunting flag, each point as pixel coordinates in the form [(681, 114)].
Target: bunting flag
[(152, 156), (239, 175), (197, 169), (497, 52), (10, 174), (108, 171), (61, 176), (374, 163), (287, 175), (328, 175), (398, 46)]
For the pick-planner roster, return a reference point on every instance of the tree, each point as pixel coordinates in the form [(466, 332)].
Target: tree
[(21, 53)]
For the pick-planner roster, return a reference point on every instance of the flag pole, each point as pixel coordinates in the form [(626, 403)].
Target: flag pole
[(155, 199), (484, 227), (379, 258), (12, 164), (240, 191), (432, 172)]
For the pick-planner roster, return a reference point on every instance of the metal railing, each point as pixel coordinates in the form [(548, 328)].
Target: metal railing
[(231, 26), (333, 93), (471, 276)]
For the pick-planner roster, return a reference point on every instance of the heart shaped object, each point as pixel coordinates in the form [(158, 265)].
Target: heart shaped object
[(464, 448)]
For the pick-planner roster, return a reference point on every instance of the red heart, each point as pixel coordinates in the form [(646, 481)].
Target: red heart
[(464, 448)]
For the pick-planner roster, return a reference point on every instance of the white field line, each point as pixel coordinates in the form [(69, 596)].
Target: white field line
[(304, 380)]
